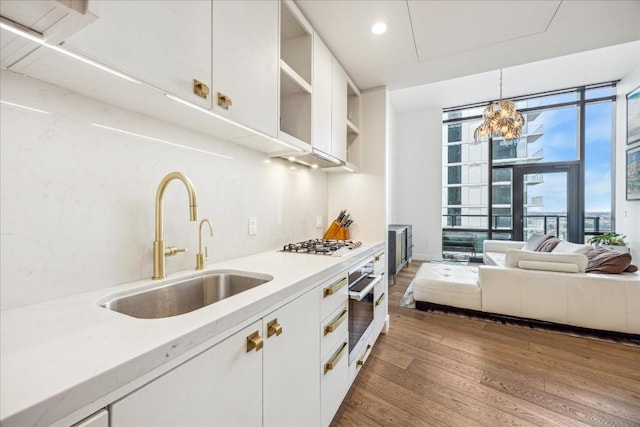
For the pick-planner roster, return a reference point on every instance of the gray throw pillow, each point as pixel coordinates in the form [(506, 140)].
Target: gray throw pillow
[(548, 245), (602, 260), (534, 241)]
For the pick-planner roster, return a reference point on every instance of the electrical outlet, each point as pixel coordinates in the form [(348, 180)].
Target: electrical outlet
[(318, 221), (253, 226)]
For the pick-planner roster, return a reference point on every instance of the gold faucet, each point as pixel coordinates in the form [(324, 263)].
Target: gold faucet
[(200, 257), (159, 251)]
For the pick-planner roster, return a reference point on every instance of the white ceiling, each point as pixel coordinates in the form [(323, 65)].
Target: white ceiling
[(594, 66), (433, 41)]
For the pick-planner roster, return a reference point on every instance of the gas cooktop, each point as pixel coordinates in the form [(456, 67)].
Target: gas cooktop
[(322, 247)]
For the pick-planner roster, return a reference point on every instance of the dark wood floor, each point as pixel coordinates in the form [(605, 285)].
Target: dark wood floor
[(435, 369)]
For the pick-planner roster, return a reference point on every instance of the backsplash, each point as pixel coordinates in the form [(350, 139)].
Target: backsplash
[(78, 185)]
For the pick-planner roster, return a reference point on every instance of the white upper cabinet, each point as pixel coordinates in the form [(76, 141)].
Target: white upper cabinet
[(296, 44), (339, 113), (167, 44), (245, 63), (330, 100), (353, 142), (322, 93)]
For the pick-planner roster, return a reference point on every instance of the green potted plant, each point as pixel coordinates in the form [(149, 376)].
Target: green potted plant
[(611, 240)]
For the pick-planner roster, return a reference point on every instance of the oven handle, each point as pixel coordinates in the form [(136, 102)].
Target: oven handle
[(359, 295)]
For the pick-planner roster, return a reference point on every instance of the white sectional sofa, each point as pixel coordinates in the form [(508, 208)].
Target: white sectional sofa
[(590, 300), (549, 287)]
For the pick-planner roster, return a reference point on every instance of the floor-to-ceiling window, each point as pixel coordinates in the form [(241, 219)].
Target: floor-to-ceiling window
[(555, 178)]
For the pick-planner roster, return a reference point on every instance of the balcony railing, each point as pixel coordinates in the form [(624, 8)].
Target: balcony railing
[(547, 224)]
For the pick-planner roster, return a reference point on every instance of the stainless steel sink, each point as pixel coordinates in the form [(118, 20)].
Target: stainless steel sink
[(186, 295)]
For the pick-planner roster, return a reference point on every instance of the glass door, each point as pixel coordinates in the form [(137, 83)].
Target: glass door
[(546, 201)]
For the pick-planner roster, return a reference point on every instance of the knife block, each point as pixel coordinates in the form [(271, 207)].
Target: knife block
[(336, 232)]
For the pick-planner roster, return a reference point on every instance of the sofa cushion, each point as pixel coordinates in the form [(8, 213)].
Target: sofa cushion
[(546, 261), (494, 258), (535, 241), (571, 248), (602, 260), (548, 245), (563, 267)]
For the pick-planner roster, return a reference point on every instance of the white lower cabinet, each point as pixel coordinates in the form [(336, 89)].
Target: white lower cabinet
[(265, 374), (291, 381), (222, 386)]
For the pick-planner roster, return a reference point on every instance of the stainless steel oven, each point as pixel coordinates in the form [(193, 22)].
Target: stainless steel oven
[(362, 282)]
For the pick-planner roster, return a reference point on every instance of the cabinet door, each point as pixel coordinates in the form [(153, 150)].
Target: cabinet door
[(245, 62), (339, 113), (291, 359), (221, 386), (321, 97), (164, 43)]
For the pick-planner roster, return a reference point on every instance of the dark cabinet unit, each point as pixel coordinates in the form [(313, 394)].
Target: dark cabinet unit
[(400, 248)]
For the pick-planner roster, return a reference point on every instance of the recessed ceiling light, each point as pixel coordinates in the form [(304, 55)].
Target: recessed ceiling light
[(379, 28)]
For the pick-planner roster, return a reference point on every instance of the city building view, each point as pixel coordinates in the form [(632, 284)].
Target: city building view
[(537, 179)]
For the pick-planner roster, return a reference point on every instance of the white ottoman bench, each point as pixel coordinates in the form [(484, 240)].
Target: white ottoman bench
[(448, 284)]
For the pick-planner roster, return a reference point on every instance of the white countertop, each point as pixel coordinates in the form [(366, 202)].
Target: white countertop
[(62, 358)]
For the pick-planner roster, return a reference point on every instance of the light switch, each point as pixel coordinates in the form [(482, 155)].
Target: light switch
[(253, 226), (318, 221)]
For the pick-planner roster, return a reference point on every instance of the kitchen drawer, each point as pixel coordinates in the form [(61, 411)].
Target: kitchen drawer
[(363, 355), (379, 265), (334, 293), (334, 327), (335, 380)]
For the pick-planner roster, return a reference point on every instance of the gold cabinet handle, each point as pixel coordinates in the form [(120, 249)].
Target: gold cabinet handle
[(379, 300), (224, 101), (336, 358), (336, 323), (200, 89), (378, 258), (254, 341), (274, 328), (335, 287), (364, 355)]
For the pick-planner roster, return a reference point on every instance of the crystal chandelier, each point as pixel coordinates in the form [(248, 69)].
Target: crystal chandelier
[(500, 119)]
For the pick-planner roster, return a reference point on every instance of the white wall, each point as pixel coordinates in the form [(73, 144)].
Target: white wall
[(77, 209), (363, 194), (418, 185), (627, 212), (392, 194)]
